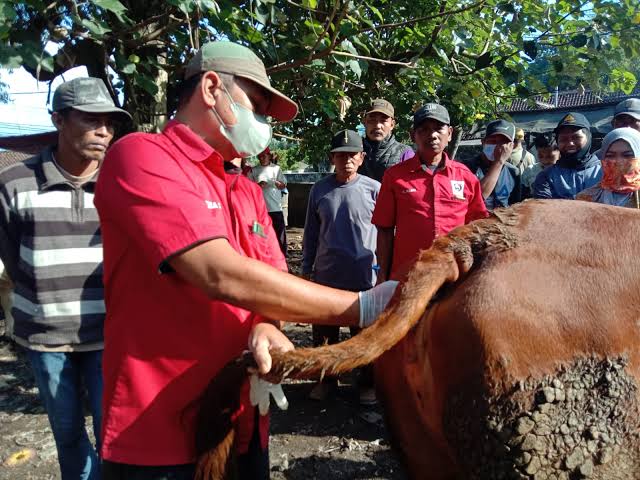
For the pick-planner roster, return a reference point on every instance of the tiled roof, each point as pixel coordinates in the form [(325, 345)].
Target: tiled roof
[(9, 158), (29, 143), (569, 99)]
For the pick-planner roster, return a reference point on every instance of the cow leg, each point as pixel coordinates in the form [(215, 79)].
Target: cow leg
[(424, 453)]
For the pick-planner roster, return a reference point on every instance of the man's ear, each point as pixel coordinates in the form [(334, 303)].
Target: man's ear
[(58, 120), (210, 88)]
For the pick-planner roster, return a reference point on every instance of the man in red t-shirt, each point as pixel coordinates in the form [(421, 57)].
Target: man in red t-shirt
[(192, 273), (423, 197)]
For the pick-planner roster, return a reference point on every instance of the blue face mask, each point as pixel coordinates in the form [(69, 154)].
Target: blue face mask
[(251, 133), (488, 151)]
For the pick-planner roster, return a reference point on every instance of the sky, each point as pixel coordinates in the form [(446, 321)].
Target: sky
[(27, 111)]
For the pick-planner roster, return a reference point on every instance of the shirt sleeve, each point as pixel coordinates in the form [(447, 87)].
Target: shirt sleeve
[(311, 234), (384, 213), (9, 232), (144, 193), (408, 153), (542, 186), (477, 208), (275, 252)]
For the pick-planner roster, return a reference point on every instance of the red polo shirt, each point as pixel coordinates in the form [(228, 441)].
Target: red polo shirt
[(423, 204), (159, 194)]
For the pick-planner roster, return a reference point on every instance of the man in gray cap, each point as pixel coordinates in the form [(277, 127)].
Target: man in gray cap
[(190, 278), (381, 148), (423, 197), (500, 180), (51, 246), (627, 114), (339, 243)]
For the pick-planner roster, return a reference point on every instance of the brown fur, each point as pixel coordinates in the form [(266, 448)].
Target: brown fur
[(520, 295)]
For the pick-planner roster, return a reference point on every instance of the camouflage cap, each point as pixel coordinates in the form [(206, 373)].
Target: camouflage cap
[(237, 60), (86, 94)]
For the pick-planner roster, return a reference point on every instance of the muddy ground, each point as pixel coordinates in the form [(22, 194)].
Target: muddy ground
[(336, 439)]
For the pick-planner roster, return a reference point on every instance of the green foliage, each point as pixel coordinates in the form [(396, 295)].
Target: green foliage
[(474, 56)]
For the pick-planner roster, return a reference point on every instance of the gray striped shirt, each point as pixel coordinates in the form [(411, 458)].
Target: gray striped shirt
[(51, 247)]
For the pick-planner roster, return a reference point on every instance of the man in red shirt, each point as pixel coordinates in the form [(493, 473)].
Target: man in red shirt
[(189, 257), (425, 196)]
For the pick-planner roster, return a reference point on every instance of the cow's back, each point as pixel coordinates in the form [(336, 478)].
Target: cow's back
[(528, 366)]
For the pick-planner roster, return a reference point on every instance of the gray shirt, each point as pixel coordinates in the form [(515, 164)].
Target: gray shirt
[(339, 241)]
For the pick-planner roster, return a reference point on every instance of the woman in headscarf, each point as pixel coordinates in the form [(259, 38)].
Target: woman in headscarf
[(577, 168), (621, 170)]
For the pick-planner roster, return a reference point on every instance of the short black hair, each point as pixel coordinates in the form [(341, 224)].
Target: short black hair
[(542, 141)]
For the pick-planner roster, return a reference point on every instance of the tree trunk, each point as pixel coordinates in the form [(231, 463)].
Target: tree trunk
[(455, 142)]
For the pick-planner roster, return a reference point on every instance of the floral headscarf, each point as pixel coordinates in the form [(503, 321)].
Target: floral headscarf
[(622, 176)]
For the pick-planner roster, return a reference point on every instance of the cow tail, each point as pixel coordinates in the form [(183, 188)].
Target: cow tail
[(433, 269), (214, 423)]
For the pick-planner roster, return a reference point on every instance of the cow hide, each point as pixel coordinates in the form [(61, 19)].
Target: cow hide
[(509, 351)]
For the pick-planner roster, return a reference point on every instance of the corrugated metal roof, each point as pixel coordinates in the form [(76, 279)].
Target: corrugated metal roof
[(569, 99)]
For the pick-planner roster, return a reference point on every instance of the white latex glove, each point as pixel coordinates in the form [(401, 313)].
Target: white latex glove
[(374, 301), (259, 393)]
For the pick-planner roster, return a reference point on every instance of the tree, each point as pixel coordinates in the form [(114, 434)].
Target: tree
[(473, 56)]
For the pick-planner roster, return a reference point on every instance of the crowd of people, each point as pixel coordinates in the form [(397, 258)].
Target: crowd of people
[(139, 269)]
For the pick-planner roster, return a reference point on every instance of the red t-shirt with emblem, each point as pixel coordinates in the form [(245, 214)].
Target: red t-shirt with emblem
[(157, 195), (423, 204)]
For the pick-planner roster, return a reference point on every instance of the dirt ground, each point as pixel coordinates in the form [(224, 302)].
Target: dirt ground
[(336, 439)]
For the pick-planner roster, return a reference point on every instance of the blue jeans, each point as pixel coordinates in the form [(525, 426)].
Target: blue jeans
[(61, 378)]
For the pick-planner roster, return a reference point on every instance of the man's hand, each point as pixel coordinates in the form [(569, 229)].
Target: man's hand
[(265, 337), (279, 185), (502, 153), (263, 184)]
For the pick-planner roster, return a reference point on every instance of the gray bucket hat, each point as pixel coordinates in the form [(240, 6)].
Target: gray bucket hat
[(234, 59), (86, 94)]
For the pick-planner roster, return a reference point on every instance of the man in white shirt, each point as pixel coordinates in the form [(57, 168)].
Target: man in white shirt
[(269, 176)]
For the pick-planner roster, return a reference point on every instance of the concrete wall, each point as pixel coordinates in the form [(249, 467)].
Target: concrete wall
[(299, 186)]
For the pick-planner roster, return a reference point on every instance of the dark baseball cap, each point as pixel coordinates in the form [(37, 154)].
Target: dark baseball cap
[(86, 94), (630, 106), (431, 110), (501, 127), (573, 119), (381, 105), (237, 60), (346, 141)]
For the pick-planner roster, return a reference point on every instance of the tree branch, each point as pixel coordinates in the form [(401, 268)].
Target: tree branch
[(422, 19), (372, 59), (326, 28)]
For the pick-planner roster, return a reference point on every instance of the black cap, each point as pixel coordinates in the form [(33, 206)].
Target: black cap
[(431, 110), (573, 119), (346, 141), (501, 127)]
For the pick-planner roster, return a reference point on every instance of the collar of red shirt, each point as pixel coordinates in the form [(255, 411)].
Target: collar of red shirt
[(189, 143), (415, 164)]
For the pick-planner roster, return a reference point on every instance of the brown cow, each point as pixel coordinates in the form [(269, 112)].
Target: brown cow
[(510, 351)]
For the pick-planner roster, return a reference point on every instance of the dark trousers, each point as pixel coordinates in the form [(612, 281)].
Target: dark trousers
[(330, 334), (277, 218), (253, 465)]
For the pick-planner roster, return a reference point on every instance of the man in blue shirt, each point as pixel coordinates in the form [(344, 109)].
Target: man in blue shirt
[(500, 180), (339, 244), (577, 169)]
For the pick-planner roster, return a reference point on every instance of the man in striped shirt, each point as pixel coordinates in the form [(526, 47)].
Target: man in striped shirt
[(51, 246)]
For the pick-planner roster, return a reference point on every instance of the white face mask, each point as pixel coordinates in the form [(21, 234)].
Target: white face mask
[(251, 133), (488, 151)]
